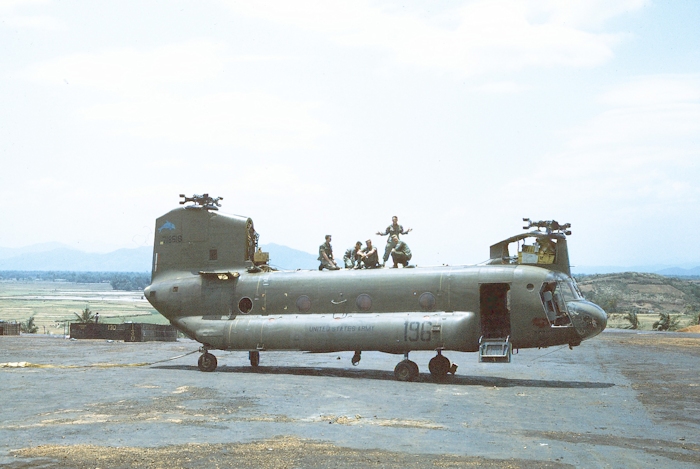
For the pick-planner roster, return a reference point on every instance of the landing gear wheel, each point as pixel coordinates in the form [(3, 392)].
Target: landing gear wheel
[(406, 370), (439, 366), (254, 357), (355, 360), (207, 362)]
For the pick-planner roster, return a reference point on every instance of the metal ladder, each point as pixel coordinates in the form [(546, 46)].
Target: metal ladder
[(495, 350)]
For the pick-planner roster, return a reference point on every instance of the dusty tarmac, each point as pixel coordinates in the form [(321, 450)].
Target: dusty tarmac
[(621, 400)]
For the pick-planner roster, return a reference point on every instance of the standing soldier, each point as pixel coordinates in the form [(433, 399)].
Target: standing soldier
[(392, 230), (325, 255)]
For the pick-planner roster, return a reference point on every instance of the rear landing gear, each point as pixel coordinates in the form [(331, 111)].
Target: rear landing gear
[(254, 357), (440, 365), (406, 370), (207, 362), (355, 360)]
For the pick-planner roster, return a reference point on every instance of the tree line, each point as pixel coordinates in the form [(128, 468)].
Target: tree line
[(125, 281)]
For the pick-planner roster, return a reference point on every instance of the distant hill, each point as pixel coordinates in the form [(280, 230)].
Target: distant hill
[(285, 258), (642, 293), (55, 256), (66, 259)]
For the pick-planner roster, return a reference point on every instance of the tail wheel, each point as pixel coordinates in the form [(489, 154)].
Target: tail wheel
[(207, 362)]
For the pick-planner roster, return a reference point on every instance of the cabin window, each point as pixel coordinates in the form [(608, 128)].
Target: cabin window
[(245, 305), (303, 303), (364, 302), (427, 301)]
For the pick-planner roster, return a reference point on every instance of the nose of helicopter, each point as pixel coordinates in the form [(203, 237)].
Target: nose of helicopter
[(588, 318)]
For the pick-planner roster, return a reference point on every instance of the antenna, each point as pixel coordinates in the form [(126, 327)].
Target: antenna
[(202, 201)]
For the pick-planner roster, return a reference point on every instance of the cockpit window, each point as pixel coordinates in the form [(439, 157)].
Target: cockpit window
[(569, 290), (554, 297)]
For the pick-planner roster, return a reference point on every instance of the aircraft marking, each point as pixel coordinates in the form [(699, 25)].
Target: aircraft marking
[(167, 226)]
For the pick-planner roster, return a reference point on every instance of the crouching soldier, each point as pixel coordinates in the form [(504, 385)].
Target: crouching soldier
[(352, 256), (401, 253)]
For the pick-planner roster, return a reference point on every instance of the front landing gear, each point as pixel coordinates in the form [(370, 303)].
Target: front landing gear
[(440, 365), (406, 370), (207, 362)]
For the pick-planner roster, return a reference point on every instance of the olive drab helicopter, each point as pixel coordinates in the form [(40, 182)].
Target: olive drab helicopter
[(212, 282)]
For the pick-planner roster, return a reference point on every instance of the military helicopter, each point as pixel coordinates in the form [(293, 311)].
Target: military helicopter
[(212, 282)]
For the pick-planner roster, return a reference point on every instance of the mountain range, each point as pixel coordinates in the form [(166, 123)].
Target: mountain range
[(56, 256), (59, 257)]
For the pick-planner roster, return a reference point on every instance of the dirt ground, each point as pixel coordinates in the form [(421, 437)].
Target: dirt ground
[(623, 399)]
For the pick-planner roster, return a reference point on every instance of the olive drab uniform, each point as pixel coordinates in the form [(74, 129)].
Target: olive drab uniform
[(391, 230), (328, 249), (370, 261), (351, 259), (401, 254)]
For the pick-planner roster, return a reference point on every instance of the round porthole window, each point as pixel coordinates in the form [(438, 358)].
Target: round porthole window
[(364, 302), (427, 301), (303, 303), (245, 305)]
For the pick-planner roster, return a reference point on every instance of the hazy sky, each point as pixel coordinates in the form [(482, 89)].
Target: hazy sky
[(316, 117)]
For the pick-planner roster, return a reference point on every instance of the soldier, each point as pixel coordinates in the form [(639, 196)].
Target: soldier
[(370, 256), (325, 255), (392, 230), (352, 256), (401, 253)]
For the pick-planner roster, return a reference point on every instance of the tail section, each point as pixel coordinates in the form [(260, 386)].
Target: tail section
[(196, 238)]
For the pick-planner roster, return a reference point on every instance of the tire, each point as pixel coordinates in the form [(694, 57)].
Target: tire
[(406, 370), (207, 362), (439, 366), (254, 357)]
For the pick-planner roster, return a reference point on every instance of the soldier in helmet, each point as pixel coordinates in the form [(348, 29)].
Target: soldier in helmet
[(325, 255)]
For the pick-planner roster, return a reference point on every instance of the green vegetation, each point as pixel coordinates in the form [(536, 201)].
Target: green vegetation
[(123, 281), (666, 322), (633, 320), (85, 316), (644, 301), (28, 326), (53, 304)]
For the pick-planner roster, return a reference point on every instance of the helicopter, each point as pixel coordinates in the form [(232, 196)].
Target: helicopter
[(213, 283)]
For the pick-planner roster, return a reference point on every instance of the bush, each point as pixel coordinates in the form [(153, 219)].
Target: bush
[(28, 326)]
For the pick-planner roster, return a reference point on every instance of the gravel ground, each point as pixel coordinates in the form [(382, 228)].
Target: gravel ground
[(623, 399)]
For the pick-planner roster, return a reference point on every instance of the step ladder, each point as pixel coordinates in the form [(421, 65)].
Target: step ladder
[(495, 350)]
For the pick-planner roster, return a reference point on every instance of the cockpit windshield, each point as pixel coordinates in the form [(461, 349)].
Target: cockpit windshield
[(569, 290)]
